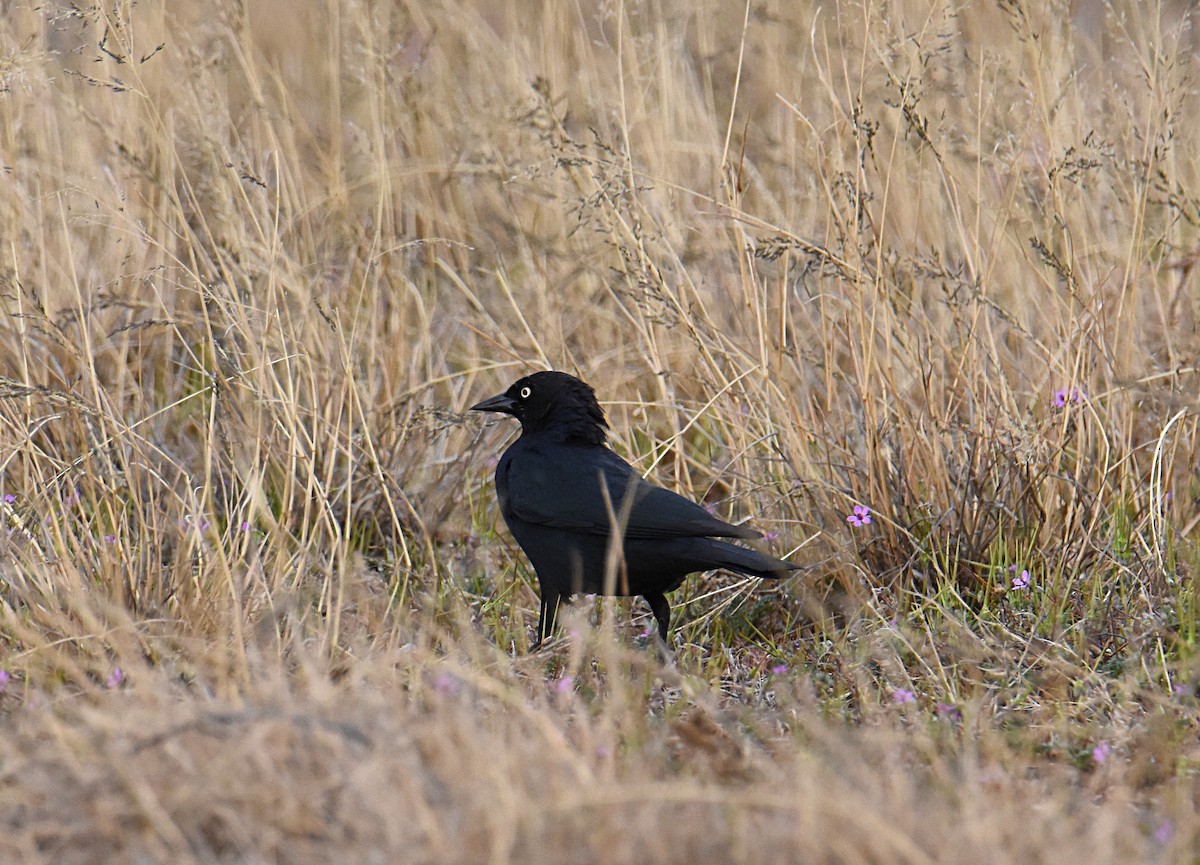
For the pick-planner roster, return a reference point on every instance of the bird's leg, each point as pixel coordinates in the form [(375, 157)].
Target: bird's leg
[(547, 618), (662, 613)]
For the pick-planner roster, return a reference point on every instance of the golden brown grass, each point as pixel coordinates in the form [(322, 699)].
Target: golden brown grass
[(257, 603)]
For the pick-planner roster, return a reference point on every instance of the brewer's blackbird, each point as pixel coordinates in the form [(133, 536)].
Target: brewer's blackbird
[(562, 492)]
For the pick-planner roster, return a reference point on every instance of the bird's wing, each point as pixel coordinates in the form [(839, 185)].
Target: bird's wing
[(561, 486)]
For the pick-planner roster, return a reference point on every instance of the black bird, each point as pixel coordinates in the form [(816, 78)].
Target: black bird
[(562, 491)]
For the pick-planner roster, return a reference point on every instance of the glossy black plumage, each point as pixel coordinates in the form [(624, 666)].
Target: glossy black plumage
[(562, 490)]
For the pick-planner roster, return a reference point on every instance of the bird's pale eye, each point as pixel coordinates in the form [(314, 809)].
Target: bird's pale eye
[(525, 392)]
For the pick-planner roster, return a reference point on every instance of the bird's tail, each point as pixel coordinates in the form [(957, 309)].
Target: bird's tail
[(752, 563)]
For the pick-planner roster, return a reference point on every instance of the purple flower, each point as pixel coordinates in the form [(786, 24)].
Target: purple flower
[(1062, 396), (860, 517), (446, 684), (779, 669), (771, 536), (948, 710), (115, 678), (4, 680), (1100, 752), (564, 685), (245, 525), (1021, 581), (9, 498), (1164, 831), (110, 539), (903, 696)]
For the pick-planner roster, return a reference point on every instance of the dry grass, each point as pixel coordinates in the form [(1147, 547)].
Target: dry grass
[(257, 603)]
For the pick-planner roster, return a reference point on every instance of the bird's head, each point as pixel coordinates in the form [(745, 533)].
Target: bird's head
[(552, 403)]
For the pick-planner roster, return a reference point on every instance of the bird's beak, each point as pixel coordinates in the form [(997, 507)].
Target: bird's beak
[(501, 403)]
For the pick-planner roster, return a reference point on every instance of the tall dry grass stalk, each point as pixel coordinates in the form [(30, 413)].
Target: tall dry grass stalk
[(933, 259)]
